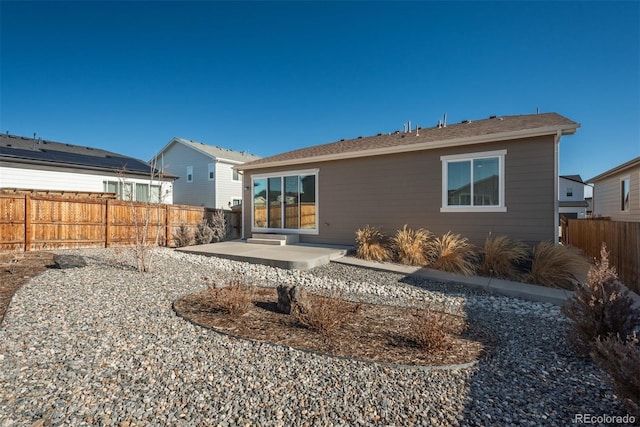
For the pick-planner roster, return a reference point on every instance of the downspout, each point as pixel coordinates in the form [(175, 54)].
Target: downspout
[(556, 179), (242, 207)]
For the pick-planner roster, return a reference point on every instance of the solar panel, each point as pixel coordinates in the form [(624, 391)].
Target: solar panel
[(115, 163)]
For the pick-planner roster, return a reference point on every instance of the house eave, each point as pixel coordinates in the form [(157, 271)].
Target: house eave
[(620, 168), (431, 145)]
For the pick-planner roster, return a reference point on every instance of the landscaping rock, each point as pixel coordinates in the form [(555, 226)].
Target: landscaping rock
[(286, 296), (69, 261)]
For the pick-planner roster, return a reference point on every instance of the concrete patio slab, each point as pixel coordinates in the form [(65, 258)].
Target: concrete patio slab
[(291, 257)]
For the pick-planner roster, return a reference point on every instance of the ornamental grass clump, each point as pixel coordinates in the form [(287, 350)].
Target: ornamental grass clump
[(371, 244), (452, 253), (601, 307), (500, 257), (556, 265), (410, 245), (182, 236)]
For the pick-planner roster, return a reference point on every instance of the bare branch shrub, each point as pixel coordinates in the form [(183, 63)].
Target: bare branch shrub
[(182, 236), (432, 328), (556, 265), (601, 307), (501, 256), (233, 297), (620, 359), (410, 245), (218, 225), (371, 244), (452, 253), (203, 233), (322, 314)]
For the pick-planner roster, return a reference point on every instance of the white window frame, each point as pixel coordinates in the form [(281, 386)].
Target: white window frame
[(211, 171), (235, 175), (623, 179), (500, 154), (314, 231), (189, 173)]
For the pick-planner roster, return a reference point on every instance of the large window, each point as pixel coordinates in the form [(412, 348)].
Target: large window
[(130, 192), (285, 201), (624, 194), (473, 182)]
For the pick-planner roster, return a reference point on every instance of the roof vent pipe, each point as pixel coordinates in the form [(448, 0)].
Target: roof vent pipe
[(444, 121), (409, 126), (417, 130), (404, 126)]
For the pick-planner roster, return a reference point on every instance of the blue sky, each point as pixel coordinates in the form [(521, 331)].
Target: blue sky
[(271, 77)]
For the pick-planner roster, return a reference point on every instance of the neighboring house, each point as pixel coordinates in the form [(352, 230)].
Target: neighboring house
[(616, 192), (207, 177), (37, 164), (496, 176), (572, 197)]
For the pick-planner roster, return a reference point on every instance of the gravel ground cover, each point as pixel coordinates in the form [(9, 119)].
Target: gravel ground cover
[(101, 345)]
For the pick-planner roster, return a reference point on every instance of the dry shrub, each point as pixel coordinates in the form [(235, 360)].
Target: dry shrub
[(323, 314), (601, 307), (203, 233), (452, 253), (501, 256), (621, 361), (411, 245), (182, 236), (432, 328), (556, 265), (235, 298), (371, 244)]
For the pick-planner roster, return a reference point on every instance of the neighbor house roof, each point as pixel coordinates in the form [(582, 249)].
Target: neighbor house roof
[(620, 168), (468, 132), (219, 153), (575, 178), (39, 152)]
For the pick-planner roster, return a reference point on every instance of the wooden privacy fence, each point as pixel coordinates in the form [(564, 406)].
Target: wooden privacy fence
[(32, 222), (622, 240)]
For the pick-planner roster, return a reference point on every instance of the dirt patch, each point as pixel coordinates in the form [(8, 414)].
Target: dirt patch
[(16, 268), (374, 332)]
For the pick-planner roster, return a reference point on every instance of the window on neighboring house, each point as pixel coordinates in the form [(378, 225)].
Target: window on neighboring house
[(236, 175), (189, 173), (236, 202), (286, 201), (569, 192), (124, 190), (211, 171), (473, 182), (624, 194)]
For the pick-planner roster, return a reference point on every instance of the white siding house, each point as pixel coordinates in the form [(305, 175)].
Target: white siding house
[(206, 174), (571, 195), (36, 164)]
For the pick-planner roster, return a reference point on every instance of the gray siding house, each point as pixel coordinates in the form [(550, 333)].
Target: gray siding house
[(206, 173), (616, 192), (493, 176)]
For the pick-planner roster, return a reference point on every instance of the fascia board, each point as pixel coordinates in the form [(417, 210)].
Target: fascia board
[(456, 142), (620, 168)]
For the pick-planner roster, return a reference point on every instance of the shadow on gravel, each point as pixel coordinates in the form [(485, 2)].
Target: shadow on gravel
[(531, 377)]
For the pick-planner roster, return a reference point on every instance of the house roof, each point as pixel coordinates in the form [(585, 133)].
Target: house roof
[(575, 178), (620, 168), (213, 151), (20, 149), (467, 132)]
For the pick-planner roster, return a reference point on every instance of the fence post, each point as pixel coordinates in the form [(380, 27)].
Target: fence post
[(27, 222), (167, 235), (107, 219)]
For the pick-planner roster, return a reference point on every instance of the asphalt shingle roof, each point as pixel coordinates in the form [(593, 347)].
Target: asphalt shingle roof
[(220, 152), (424, 136)]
